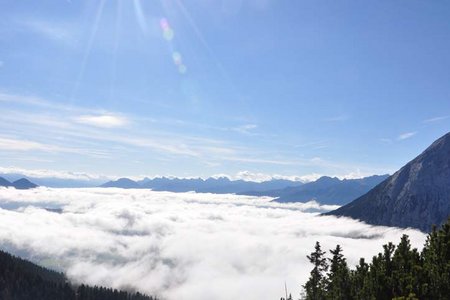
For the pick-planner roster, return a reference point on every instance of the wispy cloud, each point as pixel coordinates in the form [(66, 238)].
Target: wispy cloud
[(88, 132), (247, 129), (72, 121), (104, 121), (46, 173), (435, 119), (27, 100), (406, 135), (58, 32), (26, 145)]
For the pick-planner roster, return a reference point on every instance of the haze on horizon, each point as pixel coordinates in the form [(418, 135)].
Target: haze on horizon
[(200, 88)]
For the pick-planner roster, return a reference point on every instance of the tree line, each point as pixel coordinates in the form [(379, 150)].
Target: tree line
[(23, 280), (399, 272)]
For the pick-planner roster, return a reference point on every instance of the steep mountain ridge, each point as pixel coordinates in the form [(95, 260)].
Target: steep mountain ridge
[(418, 195)]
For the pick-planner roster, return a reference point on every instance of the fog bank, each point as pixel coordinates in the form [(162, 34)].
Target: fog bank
[(180, 245)]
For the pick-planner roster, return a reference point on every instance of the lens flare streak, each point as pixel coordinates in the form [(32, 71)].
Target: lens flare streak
[(169, 34)]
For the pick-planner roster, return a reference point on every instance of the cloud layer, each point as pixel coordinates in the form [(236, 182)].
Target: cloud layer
[(180, 246)]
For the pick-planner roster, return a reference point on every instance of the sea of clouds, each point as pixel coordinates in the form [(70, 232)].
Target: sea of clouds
[(180, 245)]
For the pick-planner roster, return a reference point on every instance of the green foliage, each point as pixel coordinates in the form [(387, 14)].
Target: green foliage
[(338, 281), (23, 280), (317, 282), (398, 273)]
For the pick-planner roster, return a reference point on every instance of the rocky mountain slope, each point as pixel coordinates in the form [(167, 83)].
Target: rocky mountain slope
[(418, 195)]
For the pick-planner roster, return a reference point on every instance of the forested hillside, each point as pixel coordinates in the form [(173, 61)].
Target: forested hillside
[(23, 280), (398, 272)]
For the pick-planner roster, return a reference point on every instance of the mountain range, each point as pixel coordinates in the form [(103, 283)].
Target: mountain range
[(56, 181), (220, 185), (326, 190), (21, 184), (417, 195)]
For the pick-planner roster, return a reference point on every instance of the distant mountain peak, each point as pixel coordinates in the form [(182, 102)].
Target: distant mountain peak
[(417, 195), (23, 184), (4, 182), (125, 183), (218, 185), (124, 179), (220, 178), (327, 179), (329, 190)]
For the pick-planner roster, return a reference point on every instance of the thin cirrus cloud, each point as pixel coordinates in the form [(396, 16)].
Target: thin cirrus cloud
[(7, 143), (406, 135), (94, 133), (47, 173), (435, 119), (58, 32), (86, 125), (247, 129), (180, 245), (103, 121)]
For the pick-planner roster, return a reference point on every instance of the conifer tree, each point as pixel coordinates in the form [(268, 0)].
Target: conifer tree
[(315, 286), (406, 269), (338, 281), (436, 263), (361, 287), (397, 273)]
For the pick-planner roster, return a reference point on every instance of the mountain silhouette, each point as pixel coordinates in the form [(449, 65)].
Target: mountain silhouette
[(21, 184), (4, 182), (326, 190), (330, 190), (220, 185)]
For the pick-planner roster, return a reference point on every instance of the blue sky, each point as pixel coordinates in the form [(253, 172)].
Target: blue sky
[(197, 88)]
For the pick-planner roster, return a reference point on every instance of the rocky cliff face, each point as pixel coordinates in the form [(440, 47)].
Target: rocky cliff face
[(418, 195)]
